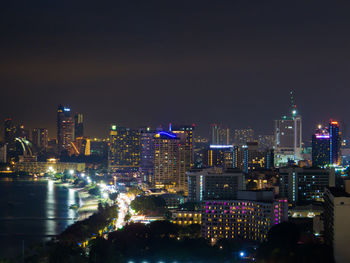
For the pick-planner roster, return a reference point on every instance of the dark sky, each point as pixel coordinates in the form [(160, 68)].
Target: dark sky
[(149, 62)]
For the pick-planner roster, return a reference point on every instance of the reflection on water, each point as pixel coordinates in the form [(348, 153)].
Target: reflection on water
[(50, 208), (32, 211)]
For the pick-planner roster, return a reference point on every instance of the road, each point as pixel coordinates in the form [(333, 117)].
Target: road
[(123, 201)]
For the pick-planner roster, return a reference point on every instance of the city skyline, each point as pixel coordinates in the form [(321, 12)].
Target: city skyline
[(149, 64)]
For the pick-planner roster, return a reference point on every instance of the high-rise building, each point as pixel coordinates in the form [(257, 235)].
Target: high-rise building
[(65, 128), (220, 156), (185, 161), (124, 150), (147, 154), (219, 135), (321, 147), (214, 183), (242, 136), (78, 125), (40, 138), (336, 227), (166, 160), (304, 185), (288, 136), (247, 217), (335, 143), (10, 130), (249, 158)]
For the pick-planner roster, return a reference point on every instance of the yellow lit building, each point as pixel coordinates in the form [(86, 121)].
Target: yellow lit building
[(186, 217)]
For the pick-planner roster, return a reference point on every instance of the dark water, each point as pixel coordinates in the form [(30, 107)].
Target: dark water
[(32, 212)]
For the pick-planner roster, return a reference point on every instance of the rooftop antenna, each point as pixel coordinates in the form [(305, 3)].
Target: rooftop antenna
[(293, 107)]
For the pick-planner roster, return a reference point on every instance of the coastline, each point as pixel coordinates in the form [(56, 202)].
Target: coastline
[(88, 204)]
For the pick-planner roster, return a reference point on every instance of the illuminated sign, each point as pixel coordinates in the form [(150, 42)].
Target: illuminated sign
[(322, 136), (168, 134), (213, 146), (114, 127), (66, 109)]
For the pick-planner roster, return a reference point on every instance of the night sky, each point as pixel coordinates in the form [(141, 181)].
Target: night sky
[(149, 62)]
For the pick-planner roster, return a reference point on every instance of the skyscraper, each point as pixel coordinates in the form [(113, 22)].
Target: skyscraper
[(288, 136), (147, 154), (65, 128), (185, 161), (78, 125), (10, 130), (124, 150), (166, 160), (335, 143), (40, 138), (321, 147)]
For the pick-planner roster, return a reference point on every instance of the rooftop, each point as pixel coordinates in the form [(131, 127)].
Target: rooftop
[(338, 192)]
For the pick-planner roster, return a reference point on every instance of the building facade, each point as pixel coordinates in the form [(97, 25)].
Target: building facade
[(124, 150), (321, 143), (304, 185), (40, 138), (336, 227), (249, 217), (65, 128), (209, 184)]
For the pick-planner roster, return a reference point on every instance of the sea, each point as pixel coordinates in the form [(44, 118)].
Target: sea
[(32, 212)]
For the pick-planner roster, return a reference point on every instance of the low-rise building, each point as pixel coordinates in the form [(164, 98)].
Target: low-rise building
[(51, 166), (184, 218)]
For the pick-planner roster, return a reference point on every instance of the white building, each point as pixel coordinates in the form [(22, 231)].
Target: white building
[(336, 223)]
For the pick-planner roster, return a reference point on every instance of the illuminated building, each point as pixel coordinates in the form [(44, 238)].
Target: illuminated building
[(78, 125), (249, 158), (214, 183), (10, 130), (147, 154), (304, 185), (80, 146), (184, 218), (336, 227), (166, 160), (40, 138), (51, 166), (185, 160), (124, 150), (65, 128), (248, 217), (243, 136), (219, 135), (321, 141), (220, 156), (288, 136), (335, 143)]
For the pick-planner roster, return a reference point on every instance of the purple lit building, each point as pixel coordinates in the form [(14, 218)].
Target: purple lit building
[(321, 147), (249, 217)]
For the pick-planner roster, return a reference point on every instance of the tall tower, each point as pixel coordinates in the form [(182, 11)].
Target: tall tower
[(65, 128), (124, 150), (79, 125), (335, 143), (288, 135)]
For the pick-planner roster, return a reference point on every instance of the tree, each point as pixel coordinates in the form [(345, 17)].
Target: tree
[(148, 205)]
